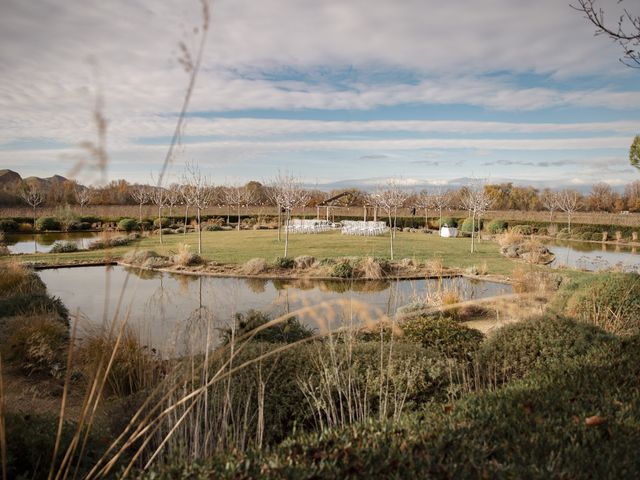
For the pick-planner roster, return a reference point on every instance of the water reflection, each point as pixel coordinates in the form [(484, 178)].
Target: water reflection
[(595, 256), (42, 242), (176, 311)]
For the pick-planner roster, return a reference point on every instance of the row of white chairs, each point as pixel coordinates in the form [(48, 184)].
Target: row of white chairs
[(353, 227), (298, 225)]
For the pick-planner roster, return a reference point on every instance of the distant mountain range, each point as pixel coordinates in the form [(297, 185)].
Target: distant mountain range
[(9, 180)]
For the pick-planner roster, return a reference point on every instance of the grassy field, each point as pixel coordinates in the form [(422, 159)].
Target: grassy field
[(238, 247)]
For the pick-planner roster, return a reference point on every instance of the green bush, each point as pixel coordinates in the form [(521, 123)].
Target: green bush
[(284, 262), (127, 225), (608, 300), (515, 350), (342, 269), (8, 225), (497, 226), (164, 222), (596, 237), (47, 223), (287, 331), (64, 247), (466, 225), (563, 235), (448, 221), (442, 334), (30, 444)]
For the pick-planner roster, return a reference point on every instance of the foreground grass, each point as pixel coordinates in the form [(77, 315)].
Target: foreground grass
[(238, 247)]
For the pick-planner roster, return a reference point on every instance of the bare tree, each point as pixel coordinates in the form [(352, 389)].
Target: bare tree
[(141, 194), (425, 201), (568, 202), (238, 196), (173, 197), (83, 196), (288, 195), (625, 31), (200, 193), (476, 201), (390, 198), (441, 200), (158, 197), (549, 200), (186, 196), (33, 197)]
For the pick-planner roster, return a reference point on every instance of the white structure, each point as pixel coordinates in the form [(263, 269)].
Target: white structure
[(351, 227), (449, 232), (298, 225)]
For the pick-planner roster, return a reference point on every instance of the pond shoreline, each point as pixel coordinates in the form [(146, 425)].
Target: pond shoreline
[(275, 276)]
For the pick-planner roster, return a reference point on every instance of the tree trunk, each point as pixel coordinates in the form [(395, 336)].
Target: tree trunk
[(199, 234), (140, 216), (286, 235), (473, 227), (279, 220), (228, 213), (391, 235), (160, 223), (569, 221), (238, 217), (186, 218)]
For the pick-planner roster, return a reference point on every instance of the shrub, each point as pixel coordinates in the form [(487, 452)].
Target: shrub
[(563, 235), (522, 229), (596, 237), (609, 300), (450, 222), (30, 443), (212, 228), (64, 247), (255, 266), (304, 261), (127, 225), (25, 228), (163, 222), (442, 334), (284, 262), (138, 257), (342, 269), (37, 344), (135, 366), (4, 250), (15, 279), (33, 303), (370, 268), (515, 350), (466, 225), (185, 257), (497, 226), (287, 331), (47, 223), (110, 242), (8, 225)]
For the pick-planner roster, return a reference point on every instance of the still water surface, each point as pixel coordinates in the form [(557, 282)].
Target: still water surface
[(42, 242), (168, 309), (595, 256)]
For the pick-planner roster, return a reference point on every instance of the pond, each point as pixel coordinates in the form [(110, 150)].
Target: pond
[(42, 242), (168, 310), (595, 256)]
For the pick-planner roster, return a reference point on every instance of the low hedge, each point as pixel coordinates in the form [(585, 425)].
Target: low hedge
[(47, 223)]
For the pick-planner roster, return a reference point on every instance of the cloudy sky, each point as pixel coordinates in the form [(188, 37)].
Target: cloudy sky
[(339, 92)]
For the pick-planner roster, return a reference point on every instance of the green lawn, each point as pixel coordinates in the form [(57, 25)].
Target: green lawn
[(238, 247)]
